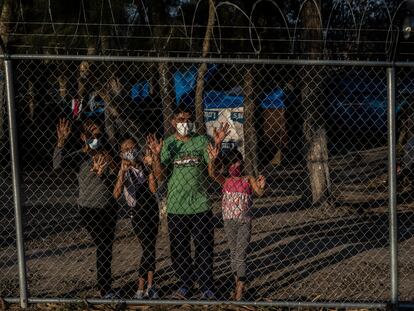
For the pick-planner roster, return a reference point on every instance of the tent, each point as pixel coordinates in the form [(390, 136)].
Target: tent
[(227, 106)]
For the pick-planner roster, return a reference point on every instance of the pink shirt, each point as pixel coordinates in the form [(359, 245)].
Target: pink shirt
[(237, 199)]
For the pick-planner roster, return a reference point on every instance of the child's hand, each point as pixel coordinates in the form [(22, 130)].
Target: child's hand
[(125, 166), (213, 151), (221, 133), (154, 144), (261, 182), (147, 157)]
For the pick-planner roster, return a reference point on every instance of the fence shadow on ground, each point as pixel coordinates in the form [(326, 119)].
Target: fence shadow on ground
[(306, 248)]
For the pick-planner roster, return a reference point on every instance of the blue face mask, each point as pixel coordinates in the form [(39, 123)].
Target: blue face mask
[(93, 143)]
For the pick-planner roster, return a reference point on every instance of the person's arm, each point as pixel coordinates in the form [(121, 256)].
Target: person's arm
[(158, 168), (258, 184), (119, 184), (148, 163), (63, 132), (159, 152), (152, 182), (57, 158), (213, 173), (212, 155)]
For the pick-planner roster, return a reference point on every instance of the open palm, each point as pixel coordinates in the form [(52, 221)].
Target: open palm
[(63, 131), (154, 144), (213, 151), (100, 162), (221, 133)]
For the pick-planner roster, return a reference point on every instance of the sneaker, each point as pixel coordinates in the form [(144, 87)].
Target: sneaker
[(208, 295), (111, 295), (139, 294), (152, 293), (181, 293)]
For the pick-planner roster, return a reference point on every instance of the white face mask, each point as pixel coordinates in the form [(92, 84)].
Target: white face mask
[(94, 143), (130, 155), (185, 129)]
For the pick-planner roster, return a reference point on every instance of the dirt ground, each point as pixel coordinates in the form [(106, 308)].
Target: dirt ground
[(336, 252), (81, 307)]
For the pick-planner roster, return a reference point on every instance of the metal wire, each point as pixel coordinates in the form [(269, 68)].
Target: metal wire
[(300, 251)]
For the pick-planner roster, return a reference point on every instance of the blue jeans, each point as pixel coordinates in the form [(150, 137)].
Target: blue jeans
[(200, 228)]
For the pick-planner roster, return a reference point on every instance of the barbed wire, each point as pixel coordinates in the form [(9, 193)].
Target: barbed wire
[(189, 27), (185, 38), (253, 35), (151, 52)]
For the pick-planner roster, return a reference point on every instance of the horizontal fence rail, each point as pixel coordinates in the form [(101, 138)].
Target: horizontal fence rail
[(209, 60), (163, 180)]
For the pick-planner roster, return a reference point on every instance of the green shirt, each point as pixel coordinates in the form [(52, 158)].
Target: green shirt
[(187, 163)]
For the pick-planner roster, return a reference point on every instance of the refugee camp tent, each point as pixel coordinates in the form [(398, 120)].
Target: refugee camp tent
[(357, 108), (221, 107)]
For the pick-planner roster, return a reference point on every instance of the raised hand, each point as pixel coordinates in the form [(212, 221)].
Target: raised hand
[(148, 157), (100, 162), (213, 151), (63, 132), (154, 145), (261, 182), (221, 133), (125, 166)]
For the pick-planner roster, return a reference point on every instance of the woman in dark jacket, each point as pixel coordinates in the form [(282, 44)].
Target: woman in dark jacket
[(96, 178)]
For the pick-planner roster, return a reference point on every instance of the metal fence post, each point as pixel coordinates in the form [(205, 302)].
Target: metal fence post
[(392, 185), (16, 182)]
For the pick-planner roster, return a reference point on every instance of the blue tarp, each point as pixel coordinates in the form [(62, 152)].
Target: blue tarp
[(184, 84), (185, 81), (222, 99), (274, 100), (140, 90), (361, 103), (368, 92)]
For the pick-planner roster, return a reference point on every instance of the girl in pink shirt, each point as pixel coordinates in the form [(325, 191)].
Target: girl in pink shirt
[(236, 208)]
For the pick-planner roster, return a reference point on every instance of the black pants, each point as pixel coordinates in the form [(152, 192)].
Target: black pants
[(100, 224), (145, 221), (183, 228)]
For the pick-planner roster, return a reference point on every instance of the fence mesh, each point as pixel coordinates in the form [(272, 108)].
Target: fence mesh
[(405, 194), (9, 283), (316, 134)]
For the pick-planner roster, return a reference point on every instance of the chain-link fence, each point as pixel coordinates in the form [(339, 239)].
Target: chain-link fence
[(167, 179), (9, 285)]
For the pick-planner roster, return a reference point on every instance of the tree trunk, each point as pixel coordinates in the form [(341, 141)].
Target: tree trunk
[(314, 127), (405, 127), (250, 140), (84, 72), (317, 150), (5, 18), (158, 17), (166, 95), (203, 69)]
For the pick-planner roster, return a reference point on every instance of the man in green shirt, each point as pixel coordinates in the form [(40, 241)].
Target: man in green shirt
[(183, 160)]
